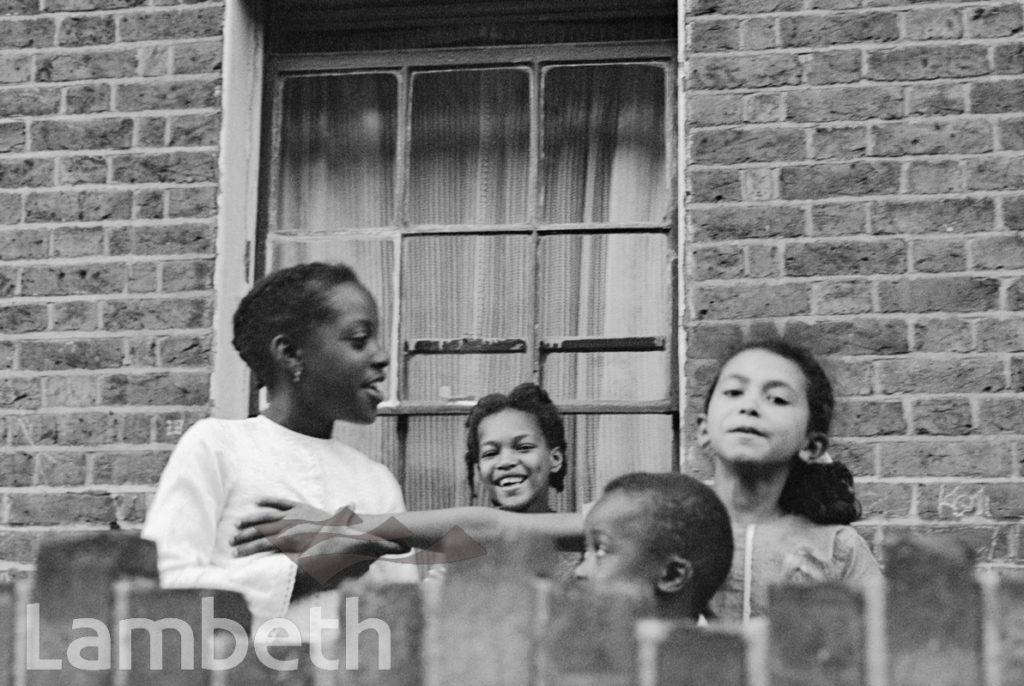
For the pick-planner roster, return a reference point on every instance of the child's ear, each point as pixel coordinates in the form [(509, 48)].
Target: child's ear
[(675, 575), (557, 460), (286, 354), (703, 437), (814, 447)]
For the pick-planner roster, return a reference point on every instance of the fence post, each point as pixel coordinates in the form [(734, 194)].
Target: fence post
[(934, 615), (679, 653), (400, 607)]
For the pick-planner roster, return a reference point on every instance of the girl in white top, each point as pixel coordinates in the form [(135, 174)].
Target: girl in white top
[(766, 421), (309, 334)]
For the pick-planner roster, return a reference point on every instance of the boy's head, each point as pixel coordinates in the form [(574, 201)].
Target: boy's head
[(668, 530)]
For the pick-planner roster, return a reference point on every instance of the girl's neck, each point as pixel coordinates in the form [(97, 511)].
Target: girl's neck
[(750, 492), (286, 415)]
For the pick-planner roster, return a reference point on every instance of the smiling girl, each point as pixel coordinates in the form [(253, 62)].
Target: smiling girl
[(766, 421), (515, 448)]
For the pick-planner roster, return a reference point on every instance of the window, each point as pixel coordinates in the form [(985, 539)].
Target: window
[(512, 207)]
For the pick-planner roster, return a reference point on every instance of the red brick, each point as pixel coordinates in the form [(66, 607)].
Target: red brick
[(23, 244), (939, 255), (709, 340), (994, 22), (993, 97), (74, 279), (838, 28), (859, 458), (22, 318), (730, 223), (758, 33), (151, 132), (86, 30), (64, 206), (70, 391), (1015, 294), (763, 107), (75, 316), (87, 65), (714, 35), (1000, 415), (839, 142), (966, 215), (835, 257), (838, 179), (714, 185), (192, 202), (880, 499), (1017, 374), (19, 545), (833, 66), (749, 144), (197, 58), (26, 33), (154, 60), (82, 169), (944, 176), (699, 7), (86, 5), (19, 6), (934, 23), (742, 71), (756, 300), (138, 429), (142, 277), (1001, 335), (839, 219), (952, 294), (148, 204), (858, 336), (946, 458), (178, 167), (16, 469), (148, 314), (941, 417), (952, 501), (844, 103), (10, 208), (995, 173), (195, 351), (29, 102), (1005, 501), (719, 262), (937, 99), (941, 335), (713, 109), (842, 297), (82, 135), (869, 418), (175, 239), (101, 353), (156, 389), (998, 252), (763, 261), (33, 430), (195, 130), (128, 467), (191, 275), (9, 282), (917, 63), (12, 137), (1009, 59), (20, 394), (1011, 133), (15, 173), (173, 24), (61, 508), (932, 138), (88, 98), (7, 352), (134, 97)]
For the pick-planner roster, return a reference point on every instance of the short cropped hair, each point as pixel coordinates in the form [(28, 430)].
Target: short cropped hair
[(685, 518)]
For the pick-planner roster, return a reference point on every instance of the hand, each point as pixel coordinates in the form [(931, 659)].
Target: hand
[(288, 527)]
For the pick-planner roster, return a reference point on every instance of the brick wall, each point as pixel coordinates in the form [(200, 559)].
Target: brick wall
[(109, 128), (855, 179)]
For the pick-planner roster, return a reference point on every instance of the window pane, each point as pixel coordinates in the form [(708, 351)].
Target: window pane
[(609, 286), (604, 144), (470, 147), (338, 152), (608, 446), (466, 286), (435, 471), (373, 260), (464, 377)]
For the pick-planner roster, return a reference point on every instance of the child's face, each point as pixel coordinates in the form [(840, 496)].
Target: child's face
[(758, 411), (515, 461), (616, 535), (343, 361)]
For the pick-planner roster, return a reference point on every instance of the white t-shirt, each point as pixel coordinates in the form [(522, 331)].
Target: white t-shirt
[(217, 473)]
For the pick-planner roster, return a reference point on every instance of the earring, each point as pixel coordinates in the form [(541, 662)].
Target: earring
[(297, 375)]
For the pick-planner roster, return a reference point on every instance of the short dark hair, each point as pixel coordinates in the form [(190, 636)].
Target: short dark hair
[(822, 493), (686, 518), (526, 397), (290, 301)]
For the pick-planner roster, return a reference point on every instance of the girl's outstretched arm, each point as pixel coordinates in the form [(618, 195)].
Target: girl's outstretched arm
[(287, 526)]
